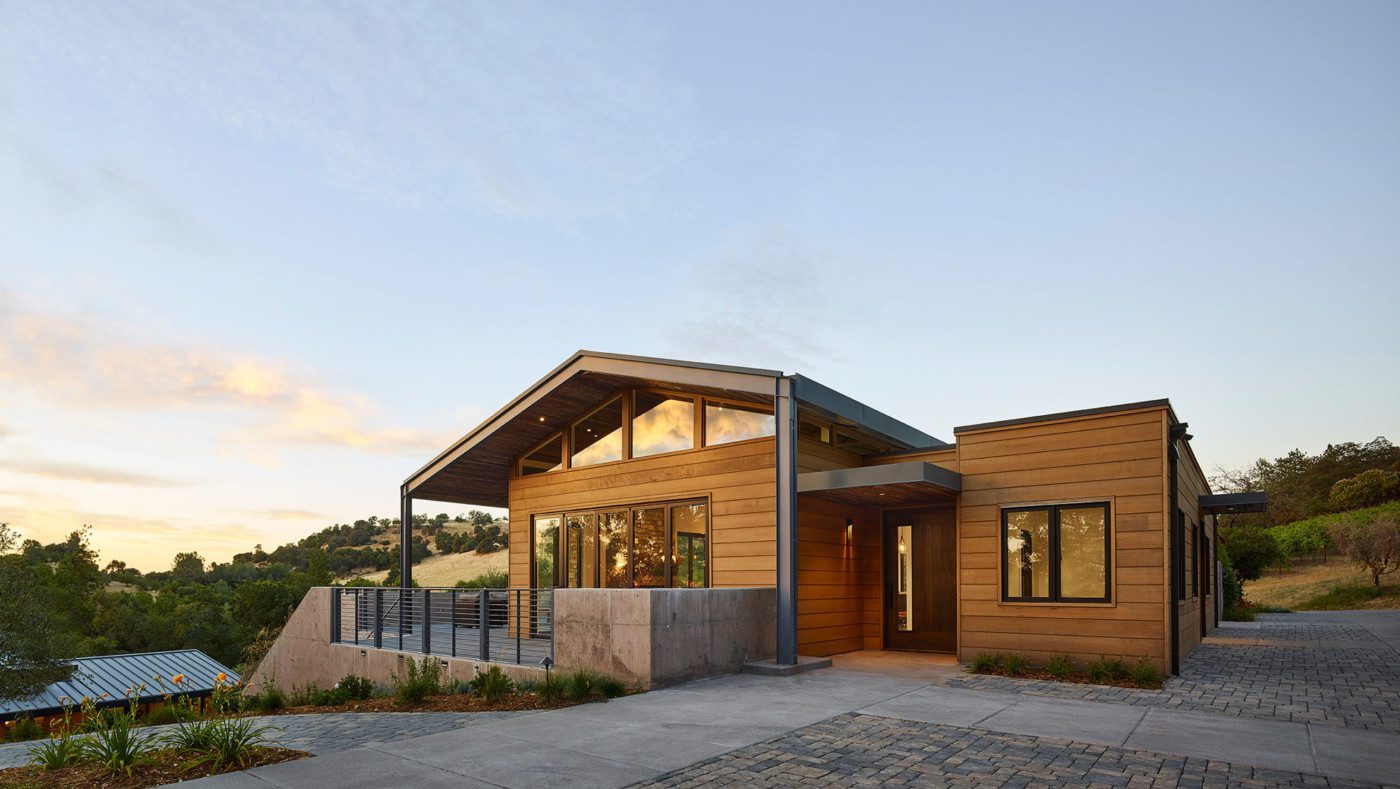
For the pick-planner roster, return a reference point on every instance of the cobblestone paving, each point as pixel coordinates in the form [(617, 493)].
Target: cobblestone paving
[(863, 750), (318, 734), (1347, 677)]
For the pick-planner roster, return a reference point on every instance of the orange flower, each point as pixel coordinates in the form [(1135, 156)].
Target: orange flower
[(220, 677), (103, 696), (178, 679)]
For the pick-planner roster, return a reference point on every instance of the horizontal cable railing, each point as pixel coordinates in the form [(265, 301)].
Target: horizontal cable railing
[(495, 625)]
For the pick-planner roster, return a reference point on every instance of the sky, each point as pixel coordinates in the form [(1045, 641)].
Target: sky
[(260, 261)]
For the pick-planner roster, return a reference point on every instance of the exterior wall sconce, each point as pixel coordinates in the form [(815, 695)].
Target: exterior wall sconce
[(850, 538)]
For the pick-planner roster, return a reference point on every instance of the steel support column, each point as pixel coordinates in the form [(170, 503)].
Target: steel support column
[(785, 413), (405, 540)]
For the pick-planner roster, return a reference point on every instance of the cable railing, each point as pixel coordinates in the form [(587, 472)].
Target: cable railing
[(492, 625)]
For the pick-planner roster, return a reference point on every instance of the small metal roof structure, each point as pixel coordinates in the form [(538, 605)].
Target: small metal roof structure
[(114, 675), (886, 485), (1232, 503)]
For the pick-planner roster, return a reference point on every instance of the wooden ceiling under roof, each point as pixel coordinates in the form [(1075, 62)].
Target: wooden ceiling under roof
[(480, 476)]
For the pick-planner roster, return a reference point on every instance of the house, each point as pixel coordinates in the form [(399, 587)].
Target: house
[(671, 519)]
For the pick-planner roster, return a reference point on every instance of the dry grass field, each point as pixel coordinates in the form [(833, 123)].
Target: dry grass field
[(1312, 579), (448, 569)]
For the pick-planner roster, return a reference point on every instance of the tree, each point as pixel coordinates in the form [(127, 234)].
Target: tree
[(31, 641), (1252, 549), (318, 567), (1367, 489), (188, 567), (1374, 545)]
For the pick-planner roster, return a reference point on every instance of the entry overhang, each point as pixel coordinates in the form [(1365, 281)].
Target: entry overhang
[(1232, 503), (892, 484)]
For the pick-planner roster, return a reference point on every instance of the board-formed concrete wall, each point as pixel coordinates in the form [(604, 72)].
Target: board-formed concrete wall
[(655, 637), (303, 655)]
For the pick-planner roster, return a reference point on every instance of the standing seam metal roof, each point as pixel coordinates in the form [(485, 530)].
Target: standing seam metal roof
[(115, 674)]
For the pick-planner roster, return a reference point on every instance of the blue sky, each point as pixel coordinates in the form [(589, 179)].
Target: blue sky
[(258, 261)]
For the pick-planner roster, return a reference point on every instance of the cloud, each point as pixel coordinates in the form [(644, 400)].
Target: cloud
[(78, 472), (520, 109), (73, 361), (286, 515), (768, 299)]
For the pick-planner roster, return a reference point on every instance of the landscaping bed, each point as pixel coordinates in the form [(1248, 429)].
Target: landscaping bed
[(457, 702), (1059, 668), (160, 767)]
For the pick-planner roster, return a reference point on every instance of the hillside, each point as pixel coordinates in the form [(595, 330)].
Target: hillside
[(448, 569)]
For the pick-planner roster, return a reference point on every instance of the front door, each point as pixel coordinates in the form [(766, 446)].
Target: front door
[(921, 580)]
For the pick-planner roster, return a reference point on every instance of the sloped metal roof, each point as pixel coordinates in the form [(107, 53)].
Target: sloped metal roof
[(115, 674)]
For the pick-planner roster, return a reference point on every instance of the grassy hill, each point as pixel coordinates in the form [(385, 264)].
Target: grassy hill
[(1314, 577), (448, 569)]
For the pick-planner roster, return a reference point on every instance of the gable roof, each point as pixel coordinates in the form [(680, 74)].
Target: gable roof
[(114, 675), (475, 469)]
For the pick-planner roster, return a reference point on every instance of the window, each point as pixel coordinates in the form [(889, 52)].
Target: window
[(1179, 555), (662, 423), (1207, 565), (548, 456), (725, 422), (597, 438), (1055, 553), (814, 431), (650, 546), (545, 543), (1195, 563)]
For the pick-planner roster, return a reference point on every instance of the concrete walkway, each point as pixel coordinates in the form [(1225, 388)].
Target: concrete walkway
[(645, 736)]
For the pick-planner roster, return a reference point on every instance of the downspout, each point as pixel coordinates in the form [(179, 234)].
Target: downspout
[(785, 413), (1175, 559)]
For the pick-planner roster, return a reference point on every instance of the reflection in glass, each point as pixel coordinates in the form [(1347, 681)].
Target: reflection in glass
[(1083, 543), (549, 457), (612, 548), (662, 423), (649, 547), (1027, 551), (597, 438), (904, 609), (581, 546), (688, 544), (546, 540), (725, 422)]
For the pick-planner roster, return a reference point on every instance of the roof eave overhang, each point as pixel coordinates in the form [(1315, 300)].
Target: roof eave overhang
[(832, 403), (1233, 503), (912, 472)]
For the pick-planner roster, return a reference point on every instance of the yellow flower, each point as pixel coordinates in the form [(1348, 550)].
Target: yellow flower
[(220, 677), (178, 679)]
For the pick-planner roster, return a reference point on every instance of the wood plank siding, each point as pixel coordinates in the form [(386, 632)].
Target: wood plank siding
[(838, 586), (738, 479), (1191, 484), (1117, 457)]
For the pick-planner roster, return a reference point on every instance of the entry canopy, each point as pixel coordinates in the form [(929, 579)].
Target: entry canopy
[(893, 484), (1232, 503)]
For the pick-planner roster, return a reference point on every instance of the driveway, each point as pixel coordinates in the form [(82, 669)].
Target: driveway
[(857, 726)]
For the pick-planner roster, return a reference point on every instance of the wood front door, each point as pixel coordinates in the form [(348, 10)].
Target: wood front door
[(921, 580)]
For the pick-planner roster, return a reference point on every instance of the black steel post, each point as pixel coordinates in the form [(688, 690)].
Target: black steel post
[(452, 621), (378, 618), (427, 622), (335, 616), (484, 623), (785, 413), (519, 626)]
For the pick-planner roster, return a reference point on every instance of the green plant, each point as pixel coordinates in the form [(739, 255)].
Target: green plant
[(195, 736), (310, 695), (118, 746), (1106, 670), (1366, 489), (422, 678), (1059, 666), (551, 688), (986, 662), (226, 696), (1252, 550), (492, 684), (580, 684), (25, 729), (1145, 675), (1238, 613), (356, 687), (1014, 664), (271, 699), (1341, 598), (1374, 546), (231, 742), (498, 579), (56, 754), (611, 687)]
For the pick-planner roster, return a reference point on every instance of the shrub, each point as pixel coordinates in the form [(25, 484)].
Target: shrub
[(1238, 613), (1106, 670), (56, 754), (117, 746), (1232, 589), (232, 742), (1341, 598), (1146, 675), (226, 696), (356, 687), (1302, 537), (196, 736), (1374, 545), (1059, 666), (170, 713), (25, 729), (986, 662), (499, 579), (1252, 549), (1366, 489), (551, 688), (422, 678), (611, 687), (313, 696), (1014, 664), (271, 699), (491, 684)]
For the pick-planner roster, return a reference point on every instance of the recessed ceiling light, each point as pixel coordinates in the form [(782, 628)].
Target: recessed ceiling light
[(541, 419)]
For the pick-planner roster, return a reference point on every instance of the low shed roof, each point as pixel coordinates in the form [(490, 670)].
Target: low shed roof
[(114, 675)]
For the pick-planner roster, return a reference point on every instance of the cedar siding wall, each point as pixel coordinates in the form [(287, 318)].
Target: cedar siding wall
[(739, 480), (1118, 457), (838, 589), (1190, 484)]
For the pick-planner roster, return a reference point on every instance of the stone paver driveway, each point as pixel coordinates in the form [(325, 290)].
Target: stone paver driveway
[(1315, 668)]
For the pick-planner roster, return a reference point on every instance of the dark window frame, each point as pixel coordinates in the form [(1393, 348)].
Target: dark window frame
[(1054, 597), (1179, 549), (561, 545)]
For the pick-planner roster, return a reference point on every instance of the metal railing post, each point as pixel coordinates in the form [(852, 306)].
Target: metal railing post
[(484, 623), (452, 619), (426, 622), (335, 615), (519, 625), (356, 605), (378, 618)]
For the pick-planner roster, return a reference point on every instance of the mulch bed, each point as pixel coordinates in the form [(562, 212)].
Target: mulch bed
[(162, 767), (439, 703), (1073, 679)]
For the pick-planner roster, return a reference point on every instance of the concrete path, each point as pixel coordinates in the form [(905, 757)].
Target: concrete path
[(645, 736)]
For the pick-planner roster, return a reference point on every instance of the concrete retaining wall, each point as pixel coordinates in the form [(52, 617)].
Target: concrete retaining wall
[(303, 655), (654, 637)]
